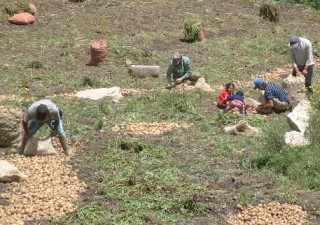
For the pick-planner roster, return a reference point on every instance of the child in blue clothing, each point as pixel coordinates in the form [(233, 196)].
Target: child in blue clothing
[(236, 101)]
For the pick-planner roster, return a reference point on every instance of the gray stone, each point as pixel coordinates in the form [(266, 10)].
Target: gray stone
[(10, 128), (298, 119), (241, 128), (144, 71), (10, 173), (251, 103), (201, 84), (295, 88), (295, 138), (128, 62)]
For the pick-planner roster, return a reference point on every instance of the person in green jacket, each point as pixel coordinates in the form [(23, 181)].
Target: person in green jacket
[(180, 70)]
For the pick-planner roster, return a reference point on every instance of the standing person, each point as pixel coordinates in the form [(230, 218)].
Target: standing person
[(236, 101), (180, 70), (44, 112), (227, 91), (277, 99), (302, 59)]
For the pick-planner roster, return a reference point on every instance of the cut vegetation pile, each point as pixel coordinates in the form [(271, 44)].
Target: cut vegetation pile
[(273, 213), (143, 128)]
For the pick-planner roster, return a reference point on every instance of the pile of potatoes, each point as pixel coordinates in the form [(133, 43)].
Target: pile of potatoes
[(273, 213), (7, 97), (71, 95), (143, 128), (268, 77), (132, 91), (50, 190)]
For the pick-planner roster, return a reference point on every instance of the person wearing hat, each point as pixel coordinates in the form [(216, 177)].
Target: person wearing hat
[(180, 70), (277, 99), (43, 112), (302, 59)]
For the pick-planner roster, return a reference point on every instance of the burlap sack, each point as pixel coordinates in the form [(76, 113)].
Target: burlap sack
[(36, 146), (33, 9), (22, 19), (202, 36), (98, 51)]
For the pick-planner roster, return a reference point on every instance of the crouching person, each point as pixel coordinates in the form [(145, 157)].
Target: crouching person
[(180, 71), (40, 113), (277, 99)]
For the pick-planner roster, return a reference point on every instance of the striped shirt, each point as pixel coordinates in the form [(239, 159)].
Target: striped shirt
[(274, 90)]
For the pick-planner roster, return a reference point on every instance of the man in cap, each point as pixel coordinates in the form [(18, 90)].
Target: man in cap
[(302, 59), (276, 97), (44, 112), (180, 70)]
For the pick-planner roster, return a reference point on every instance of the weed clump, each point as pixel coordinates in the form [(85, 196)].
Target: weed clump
[(17, 7), (35, 65), (269, 11), (131, 145), (86, 81), (193, 31)]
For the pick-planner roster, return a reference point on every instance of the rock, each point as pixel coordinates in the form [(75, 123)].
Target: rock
[(10, 173), (202, 85), (36, 146), (298, 119), (128, 62), (144, 71), (96, 94), (295, 87), (295, 138), (241, 128), (251, 103), (10, 128)]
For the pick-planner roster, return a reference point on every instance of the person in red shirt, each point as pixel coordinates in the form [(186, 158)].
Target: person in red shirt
[(229, 89)]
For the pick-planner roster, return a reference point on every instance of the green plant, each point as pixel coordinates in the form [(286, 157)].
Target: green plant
[(269, 11), (131, 145), (16, 7), (192, 30), (86, 81), (312, 3), (35, 65)]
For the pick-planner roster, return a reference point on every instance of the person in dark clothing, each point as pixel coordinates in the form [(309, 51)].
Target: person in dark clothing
[(236, 101)]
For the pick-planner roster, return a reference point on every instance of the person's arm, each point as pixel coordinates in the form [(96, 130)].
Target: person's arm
[(309, 57), (265, 107), (187, 69), (56, 119), (25, 119), (294, 64), (169, 75)]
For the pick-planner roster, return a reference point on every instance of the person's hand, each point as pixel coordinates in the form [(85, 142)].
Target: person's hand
[(305, 72), (298, 72), (179, 80), (53, 133), (258, 109)]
